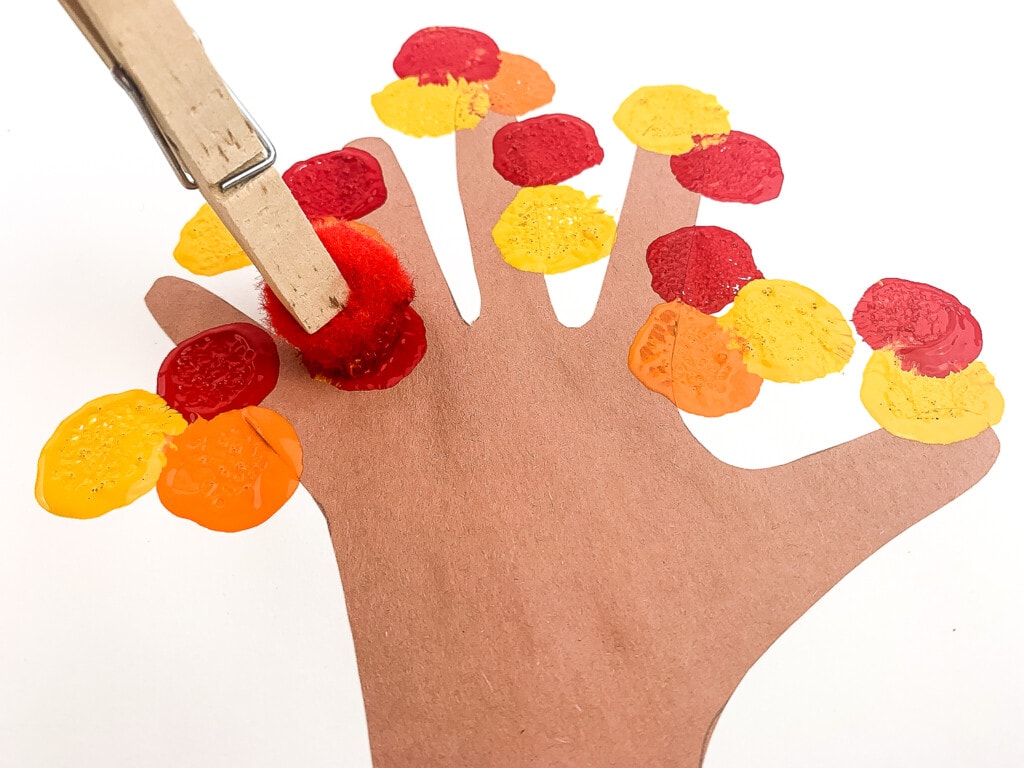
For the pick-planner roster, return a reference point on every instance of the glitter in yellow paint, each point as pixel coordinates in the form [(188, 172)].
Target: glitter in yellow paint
[(792, 334), (206, 247), (431, 110), (930, 410), (665, 118), (106, 454), (553, 229)]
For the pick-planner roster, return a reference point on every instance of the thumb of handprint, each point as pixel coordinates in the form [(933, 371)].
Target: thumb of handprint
[(542, 566)]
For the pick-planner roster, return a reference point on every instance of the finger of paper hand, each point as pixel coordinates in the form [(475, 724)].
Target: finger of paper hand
[(183, 309), (655, 203), (869, 490), (504, 290), (400, 224), (831, 510)]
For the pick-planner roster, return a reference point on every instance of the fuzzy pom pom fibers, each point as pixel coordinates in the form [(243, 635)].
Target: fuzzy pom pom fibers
[(360, 338)]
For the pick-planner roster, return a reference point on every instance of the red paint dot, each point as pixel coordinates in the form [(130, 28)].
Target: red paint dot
[(929, 330), (740, 169), (345, 184), (703, 266), (405, 355), (545, 150), (221, 369), (362, 335), (435, 53)]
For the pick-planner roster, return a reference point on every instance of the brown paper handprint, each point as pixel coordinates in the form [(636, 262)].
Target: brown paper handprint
[(542, 566)]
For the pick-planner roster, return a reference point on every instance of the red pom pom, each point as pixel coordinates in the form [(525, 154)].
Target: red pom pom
[(361, 337)]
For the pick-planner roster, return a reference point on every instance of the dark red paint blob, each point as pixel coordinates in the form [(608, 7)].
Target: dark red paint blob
[(545, 150), (360, 337), (221, 369), (346, 184), (740, 169), (434, 53), (929, 330), (405, 356), (703, 266)]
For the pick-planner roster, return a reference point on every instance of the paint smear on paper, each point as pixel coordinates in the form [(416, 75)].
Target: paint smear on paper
[(345, 184), (738, 169), (930, 331), (943, 410), (233, 472), (667, 118), (434, 54), (205, 246), (702, 266), (545, 150), (431, 110), (791, 333), (360, 338), (520, 86), (553, 229), (221, 369), (404, 356), (689, 358), (106, 454)]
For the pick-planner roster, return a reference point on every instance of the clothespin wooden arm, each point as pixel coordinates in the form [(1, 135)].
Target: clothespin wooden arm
[(215, 146)]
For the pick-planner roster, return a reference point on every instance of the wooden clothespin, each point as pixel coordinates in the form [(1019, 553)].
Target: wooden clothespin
[(214, 145)]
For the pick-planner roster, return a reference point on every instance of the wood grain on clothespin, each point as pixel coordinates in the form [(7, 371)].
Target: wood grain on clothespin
[(150, 48)]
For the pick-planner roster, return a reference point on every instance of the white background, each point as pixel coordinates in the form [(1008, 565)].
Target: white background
[(141, 640)]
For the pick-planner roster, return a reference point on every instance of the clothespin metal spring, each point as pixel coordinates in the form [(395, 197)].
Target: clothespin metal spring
[(167, 147)]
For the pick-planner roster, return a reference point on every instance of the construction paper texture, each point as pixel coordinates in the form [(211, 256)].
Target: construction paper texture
[(131, 639), (516, 628)]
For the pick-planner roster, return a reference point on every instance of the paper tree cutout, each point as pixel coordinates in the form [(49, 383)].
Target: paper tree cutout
[(541, 564)]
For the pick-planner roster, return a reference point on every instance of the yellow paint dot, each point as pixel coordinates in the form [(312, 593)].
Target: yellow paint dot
[(106, 454), (553, 229), (431, 110), (665, 118), (930, 410), (206, 247), (791, 333)]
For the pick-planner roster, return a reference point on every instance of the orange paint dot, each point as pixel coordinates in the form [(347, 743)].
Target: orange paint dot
[(689, 358), (520, 86), (365, 229), (232, 472)]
